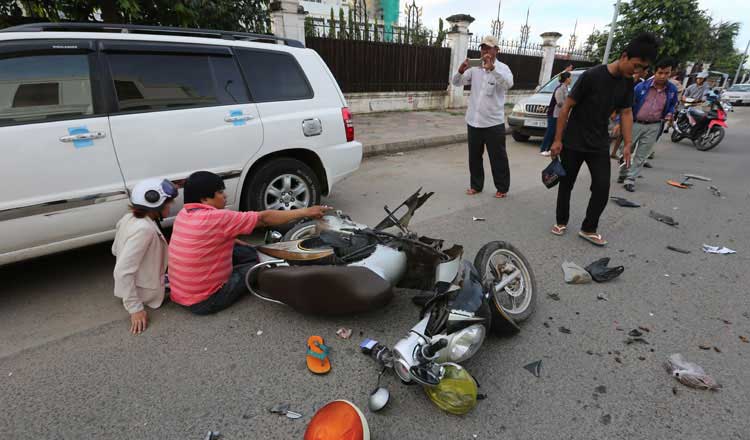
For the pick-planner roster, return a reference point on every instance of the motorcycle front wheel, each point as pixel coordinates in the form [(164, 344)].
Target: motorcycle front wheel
[(497, 261), (301, 231), (711, 139), (676, 137)]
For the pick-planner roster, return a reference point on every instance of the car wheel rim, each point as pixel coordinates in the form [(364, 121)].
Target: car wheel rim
[(515, 297), (287, 192)]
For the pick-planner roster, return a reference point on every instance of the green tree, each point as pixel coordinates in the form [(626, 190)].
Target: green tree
[(309, 27), (332, 26), (350, 34), (441, 34), (357, 30), (342, 24), (719, 47), (375, 34), (367, 29)]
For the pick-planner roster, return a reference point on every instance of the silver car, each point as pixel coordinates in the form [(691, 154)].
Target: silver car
[(529, 116), (738, 94)]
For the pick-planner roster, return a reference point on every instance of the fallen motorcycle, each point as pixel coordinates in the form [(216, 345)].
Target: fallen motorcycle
[(706, 130), (337, 266)]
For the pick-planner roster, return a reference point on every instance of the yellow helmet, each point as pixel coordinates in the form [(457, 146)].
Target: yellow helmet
[(457, 391)]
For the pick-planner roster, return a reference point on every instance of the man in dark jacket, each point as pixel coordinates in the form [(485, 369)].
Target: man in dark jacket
[(653, 105)]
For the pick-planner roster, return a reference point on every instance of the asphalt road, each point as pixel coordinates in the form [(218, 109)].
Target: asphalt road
[(70, 370)]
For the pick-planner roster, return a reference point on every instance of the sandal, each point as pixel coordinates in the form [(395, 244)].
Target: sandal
[(559, 230), (593, 238), (317, 356), (472, 192), (500, 195)]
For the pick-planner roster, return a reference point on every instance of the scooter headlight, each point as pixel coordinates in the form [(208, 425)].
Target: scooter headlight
[(466, 343), (401, 366)]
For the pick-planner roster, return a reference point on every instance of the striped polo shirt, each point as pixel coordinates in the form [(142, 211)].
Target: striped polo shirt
[(200, 250)]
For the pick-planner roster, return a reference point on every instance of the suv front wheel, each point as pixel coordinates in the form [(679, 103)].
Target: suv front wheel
[(518, 137), (283, 184)]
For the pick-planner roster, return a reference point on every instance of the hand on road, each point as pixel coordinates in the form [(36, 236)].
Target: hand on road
[(317, 211), (464, 66), (489, 64), (626, 155), (556, 149), (138, 322)]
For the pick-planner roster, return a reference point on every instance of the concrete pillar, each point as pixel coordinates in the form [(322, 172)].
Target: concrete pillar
[(458, 39), (688, 69), (288, 19), (744, 79), (549, 46)]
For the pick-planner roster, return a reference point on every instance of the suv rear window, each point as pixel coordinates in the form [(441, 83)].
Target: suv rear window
[(154, 82), (274, 76), (38, 88)]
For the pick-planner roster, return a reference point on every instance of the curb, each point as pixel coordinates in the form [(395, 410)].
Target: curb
[(411, 145)]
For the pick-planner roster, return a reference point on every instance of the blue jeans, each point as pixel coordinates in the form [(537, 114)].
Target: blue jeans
[(549, 135), (243, 259)]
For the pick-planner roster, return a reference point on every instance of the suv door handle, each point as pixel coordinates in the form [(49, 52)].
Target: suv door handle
[(240, 118), (83, 137)]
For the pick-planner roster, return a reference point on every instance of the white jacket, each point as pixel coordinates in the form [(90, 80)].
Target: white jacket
[(141, 252)]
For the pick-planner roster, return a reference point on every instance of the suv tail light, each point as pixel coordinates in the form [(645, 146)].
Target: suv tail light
[(348, 124)]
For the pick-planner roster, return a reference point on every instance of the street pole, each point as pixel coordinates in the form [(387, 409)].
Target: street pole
[(605, 60), (742, 62)]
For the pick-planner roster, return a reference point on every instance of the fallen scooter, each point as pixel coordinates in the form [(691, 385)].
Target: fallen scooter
[(337, 266)]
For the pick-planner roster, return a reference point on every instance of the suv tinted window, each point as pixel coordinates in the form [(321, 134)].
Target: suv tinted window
[(150, 82), (555, 81), (274, 76), (38, 88)]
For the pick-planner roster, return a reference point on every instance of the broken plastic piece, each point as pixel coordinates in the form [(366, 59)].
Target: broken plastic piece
[(745, 339), (281, 408), (344, 333), (212, 435), (667, 220), (260, 332), (575, 274), (625, 203), (601, 273), (293, 415), (478, 219), (554, 296), (602, 297), (676, 249), (695, 177), (635, 333), (564, 330), (634, 340), (715, 191), (717, 250), (534, 368), (689, 374)]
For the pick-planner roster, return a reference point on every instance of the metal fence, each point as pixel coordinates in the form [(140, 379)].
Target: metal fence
[(368, 66), (531, 49), (369, 32)]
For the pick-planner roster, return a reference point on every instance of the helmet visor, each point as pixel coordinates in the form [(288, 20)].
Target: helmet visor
[(169, 189)]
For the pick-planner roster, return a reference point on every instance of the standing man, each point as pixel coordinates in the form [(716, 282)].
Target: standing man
[(654, 104), (697, 91), (485, 117), (582, 134)]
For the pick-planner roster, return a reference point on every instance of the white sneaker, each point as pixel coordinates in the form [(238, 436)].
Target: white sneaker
[(545, 153)]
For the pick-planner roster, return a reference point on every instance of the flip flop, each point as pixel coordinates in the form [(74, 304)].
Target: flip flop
[(317, 356), (500, 195), (594, 239), (559, 230), (472, 192), (677, 184)]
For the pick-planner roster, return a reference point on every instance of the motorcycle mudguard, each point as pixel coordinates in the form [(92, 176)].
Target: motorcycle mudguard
[(508, 324), (718, 122)]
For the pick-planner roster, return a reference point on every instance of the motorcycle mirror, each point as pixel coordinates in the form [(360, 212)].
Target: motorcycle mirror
[(379, 399), (273, 237)]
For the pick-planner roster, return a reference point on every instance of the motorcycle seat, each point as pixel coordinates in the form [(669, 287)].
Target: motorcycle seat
[(326, 290), (696, 113)]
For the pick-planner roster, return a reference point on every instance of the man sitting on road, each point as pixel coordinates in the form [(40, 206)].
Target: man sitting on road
[(654, 103), (485, 117), (207, 264)]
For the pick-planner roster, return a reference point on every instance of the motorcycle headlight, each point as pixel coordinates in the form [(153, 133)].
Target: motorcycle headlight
[(466, 343), (518, 108), (401, 366)]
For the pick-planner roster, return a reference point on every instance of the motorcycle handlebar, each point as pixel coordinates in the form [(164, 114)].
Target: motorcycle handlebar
[(430, 350)]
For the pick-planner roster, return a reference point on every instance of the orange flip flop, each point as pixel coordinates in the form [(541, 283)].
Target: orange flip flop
[(677, 184), (317, 356)]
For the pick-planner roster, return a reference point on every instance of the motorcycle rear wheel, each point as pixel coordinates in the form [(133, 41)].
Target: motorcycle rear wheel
[(300, 231), (711, 139), (676, 137), (518, 299)]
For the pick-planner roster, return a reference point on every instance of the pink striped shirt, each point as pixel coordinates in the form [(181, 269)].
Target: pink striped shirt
[(200, 250)]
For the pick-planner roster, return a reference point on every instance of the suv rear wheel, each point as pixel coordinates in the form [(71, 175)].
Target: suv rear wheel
[(283, 184)]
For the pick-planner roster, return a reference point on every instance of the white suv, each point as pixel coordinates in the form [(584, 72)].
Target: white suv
[(88, 110)]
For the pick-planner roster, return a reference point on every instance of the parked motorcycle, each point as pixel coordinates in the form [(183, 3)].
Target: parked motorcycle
[(338, 266), (705, 129)]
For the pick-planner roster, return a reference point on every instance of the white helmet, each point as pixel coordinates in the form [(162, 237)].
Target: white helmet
[(702, 75), (152, 194)]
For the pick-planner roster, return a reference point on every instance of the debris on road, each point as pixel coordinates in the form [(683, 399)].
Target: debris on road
[(635, 333), (625, 203), (644, 328), (602, 297), (640, 340), (344, 333), (677, 184), (283, 409), (667, 220), (564, 330), (716, 349), (704, 347), (618, 360), (676, 249), (745, 339), (715, 191), (260, 332), (554, 296), (601, 389), (575, 274), (717, 250), (601, 273), (212, 435), (534, 368), (689, 374), (478, 219)]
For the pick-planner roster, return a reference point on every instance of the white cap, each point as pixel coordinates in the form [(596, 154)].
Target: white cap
[(491, 41)]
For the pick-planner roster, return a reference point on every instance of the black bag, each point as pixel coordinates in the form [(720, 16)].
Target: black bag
[(552, 174)]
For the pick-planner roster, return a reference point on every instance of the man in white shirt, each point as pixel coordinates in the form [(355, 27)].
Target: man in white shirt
[(485, 117)]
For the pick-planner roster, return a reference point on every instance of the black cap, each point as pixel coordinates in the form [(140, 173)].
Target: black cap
[(202, 185)]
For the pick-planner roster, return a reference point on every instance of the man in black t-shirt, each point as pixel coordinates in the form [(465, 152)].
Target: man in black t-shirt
[(582, 131)]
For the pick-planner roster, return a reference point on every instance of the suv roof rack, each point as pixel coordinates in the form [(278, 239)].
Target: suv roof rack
[(154, 30)]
